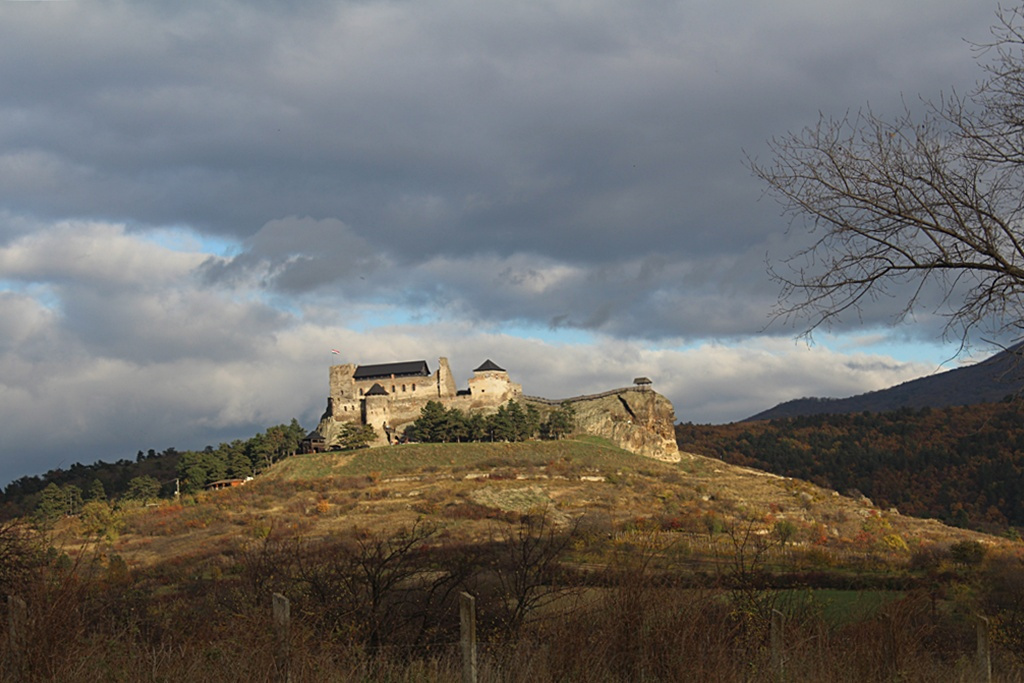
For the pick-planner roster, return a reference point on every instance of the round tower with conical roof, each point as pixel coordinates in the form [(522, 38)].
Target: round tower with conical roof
[(490, 385)]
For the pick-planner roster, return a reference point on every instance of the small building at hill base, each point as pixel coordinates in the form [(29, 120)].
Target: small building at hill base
[(390, 396), (313, 443)]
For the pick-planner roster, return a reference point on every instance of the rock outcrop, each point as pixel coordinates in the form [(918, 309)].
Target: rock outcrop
[(639, 420)]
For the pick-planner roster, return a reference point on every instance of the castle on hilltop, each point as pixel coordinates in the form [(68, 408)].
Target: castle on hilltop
[(391, 396)]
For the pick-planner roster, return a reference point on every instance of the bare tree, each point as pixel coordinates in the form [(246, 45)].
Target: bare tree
[(20, 556), (382, 586), (899, 206), (527, 565)]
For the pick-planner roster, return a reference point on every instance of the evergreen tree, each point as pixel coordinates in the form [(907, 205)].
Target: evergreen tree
[(476, 427), (72, 499), (239, 465), (353, 436), (96, 491), (143, 488), (58, 501), (455, 428), (51, 505), (501, 426), (193, 471), (560, 422), (429, 427), (532, 421)]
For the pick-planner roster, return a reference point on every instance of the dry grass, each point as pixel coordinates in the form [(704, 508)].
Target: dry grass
[(181, 592), (101, 623), (464, 485)]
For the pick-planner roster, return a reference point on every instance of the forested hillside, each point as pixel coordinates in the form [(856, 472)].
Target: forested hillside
[(152, 474), (960, 464)]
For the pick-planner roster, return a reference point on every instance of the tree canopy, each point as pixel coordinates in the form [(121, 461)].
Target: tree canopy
[(511, 422), (963, 465)]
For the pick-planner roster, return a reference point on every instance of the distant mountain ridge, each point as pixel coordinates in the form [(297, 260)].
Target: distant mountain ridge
[(988, 381)]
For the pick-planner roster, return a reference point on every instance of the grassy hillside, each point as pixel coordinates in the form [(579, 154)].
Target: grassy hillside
[(467, 487), (454, 457), (639, 569)]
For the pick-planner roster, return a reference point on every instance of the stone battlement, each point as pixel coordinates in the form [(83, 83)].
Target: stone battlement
[(390, 396), (579, 399)]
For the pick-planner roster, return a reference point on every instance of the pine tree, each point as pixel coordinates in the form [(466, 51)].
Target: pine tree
[(96, 491), (143, 488)]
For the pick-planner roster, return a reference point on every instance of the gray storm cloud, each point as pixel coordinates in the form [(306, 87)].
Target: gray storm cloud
[(409, 180)]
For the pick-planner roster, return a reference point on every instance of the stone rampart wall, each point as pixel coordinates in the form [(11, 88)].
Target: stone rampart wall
[(585, 397)]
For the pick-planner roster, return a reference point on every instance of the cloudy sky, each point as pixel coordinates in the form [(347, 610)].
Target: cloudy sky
[(199, 200)]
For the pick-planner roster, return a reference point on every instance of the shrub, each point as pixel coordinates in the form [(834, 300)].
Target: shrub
[(967, 553)]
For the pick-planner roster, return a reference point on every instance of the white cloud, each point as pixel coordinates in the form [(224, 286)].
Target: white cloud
[(97, 253)]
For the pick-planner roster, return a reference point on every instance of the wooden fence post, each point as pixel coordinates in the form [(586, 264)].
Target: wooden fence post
[(282, 637), (17, 616), (778, 661), (467, 624), (984, 657)]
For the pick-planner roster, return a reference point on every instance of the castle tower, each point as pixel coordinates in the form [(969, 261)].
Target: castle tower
[(445, 381), (377, 410), (490, 385)]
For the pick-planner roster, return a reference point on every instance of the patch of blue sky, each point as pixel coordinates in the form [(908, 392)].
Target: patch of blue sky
[(368, 318), (279, 302), (185, 239), (940, 355), (882, 342), (42, 293)]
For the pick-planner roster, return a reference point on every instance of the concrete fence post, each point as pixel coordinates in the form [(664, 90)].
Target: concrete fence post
[(282, 638), (984, 657), (17, 617), (778, 658), (467, 624)]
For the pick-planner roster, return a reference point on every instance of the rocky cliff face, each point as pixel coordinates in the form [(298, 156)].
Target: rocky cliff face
[(639, 421)]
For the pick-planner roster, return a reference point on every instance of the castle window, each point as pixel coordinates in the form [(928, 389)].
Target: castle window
[(392, 388), (403, 387), (360, 392), (414, 387)]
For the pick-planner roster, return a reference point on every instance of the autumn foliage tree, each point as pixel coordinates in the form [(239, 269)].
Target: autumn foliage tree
[(961, 464)]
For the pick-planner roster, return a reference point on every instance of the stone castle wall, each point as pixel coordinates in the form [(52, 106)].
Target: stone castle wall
[(406, 397), (634, 418)]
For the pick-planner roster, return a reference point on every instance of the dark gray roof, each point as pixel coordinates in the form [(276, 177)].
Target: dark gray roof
[(412, 368), (489, 365), (642, 380), (376, 390), (314, 436)]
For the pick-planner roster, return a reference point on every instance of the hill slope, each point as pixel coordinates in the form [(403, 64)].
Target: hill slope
[(575, 543), (470, 488), (963, 464), (986, 382)]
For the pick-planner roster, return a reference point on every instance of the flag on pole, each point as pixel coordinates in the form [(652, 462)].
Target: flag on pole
[(336, 352)]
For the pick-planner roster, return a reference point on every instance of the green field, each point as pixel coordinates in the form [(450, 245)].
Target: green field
[(834, 606)]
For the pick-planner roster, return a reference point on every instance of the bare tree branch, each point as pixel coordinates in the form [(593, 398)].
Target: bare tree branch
[(924, 199)]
